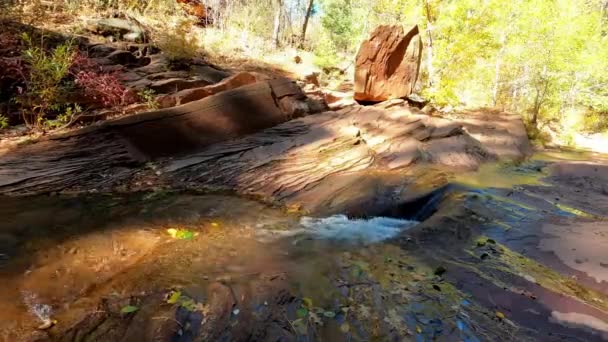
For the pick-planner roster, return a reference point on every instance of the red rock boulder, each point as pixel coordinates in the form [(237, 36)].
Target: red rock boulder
[(387, 64)]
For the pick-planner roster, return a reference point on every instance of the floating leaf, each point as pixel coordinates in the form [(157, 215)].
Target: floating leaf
[(47, 324), (174, 297), (315, 318), (307, 302), (302, 312), (181, 234), (129, 309), (329, 314), (345, 328), (301, 326), (187, 303)]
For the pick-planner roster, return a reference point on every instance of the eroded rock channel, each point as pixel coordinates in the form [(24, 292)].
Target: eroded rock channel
[(283, 221)]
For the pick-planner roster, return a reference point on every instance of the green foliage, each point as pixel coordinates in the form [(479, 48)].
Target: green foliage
[(338, 21), (68, 116), (595, 122), (129, 309), (176, 297), (3, 122), (181, 234), (326, 53), (148, 96), (45, 82)]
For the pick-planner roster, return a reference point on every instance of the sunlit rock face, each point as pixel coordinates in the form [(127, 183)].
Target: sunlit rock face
[(387, 64)]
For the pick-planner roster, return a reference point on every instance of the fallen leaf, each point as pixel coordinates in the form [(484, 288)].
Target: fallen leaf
[(329, 314), (172, 232), (174, 297), (47, 324), (301, 326), (500, 315), (307, 302), (129, 309)]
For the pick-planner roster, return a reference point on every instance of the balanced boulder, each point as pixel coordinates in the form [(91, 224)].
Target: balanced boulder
[(387, 64)]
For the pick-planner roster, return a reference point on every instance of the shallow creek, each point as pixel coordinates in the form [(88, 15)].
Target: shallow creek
[(497, 256)]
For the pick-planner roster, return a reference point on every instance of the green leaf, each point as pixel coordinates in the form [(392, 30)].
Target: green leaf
[(188, 304), (307, 302), (175, 295), (302, 312), (129, 309)]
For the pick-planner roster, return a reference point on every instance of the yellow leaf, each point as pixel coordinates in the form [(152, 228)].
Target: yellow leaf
[(172, 232), (307, 303), (500, 315), (215, 224), (418, 329), (294, 208), (345, 328)]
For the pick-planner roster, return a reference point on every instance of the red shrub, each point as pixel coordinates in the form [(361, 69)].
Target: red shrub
[(105, 88), (102, 86)]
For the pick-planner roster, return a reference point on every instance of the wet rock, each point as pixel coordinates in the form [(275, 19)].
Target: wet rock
[(387, 64), (232, 82)]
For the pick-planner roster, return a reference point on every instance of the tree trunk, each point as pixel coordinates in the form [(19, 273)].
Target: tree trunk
[(497, 71), (306, 18), (538, 101), (429, 49), (277, 24)]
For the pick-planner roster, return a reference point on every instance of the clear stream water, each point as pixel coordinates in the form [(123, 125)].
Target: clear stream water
[(61, 255)]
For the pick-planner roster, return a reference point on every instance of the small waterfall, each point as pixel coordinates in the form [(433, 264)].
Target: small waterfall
[(41, 311)]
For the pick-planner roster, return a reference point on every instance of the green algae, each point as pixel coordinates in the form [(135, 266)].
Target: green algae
[(507, 261)]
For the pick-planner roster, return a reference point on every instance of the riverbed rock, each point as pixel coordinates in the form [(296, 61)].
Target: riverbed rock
[(117, 27), (108, 152), (387, 64), (232, 82), (127, 58), (171, 85)]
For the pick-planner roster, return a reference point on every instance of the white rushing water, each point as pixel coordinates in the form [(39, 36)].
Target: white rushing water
[(41, 311), (340, 227)]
